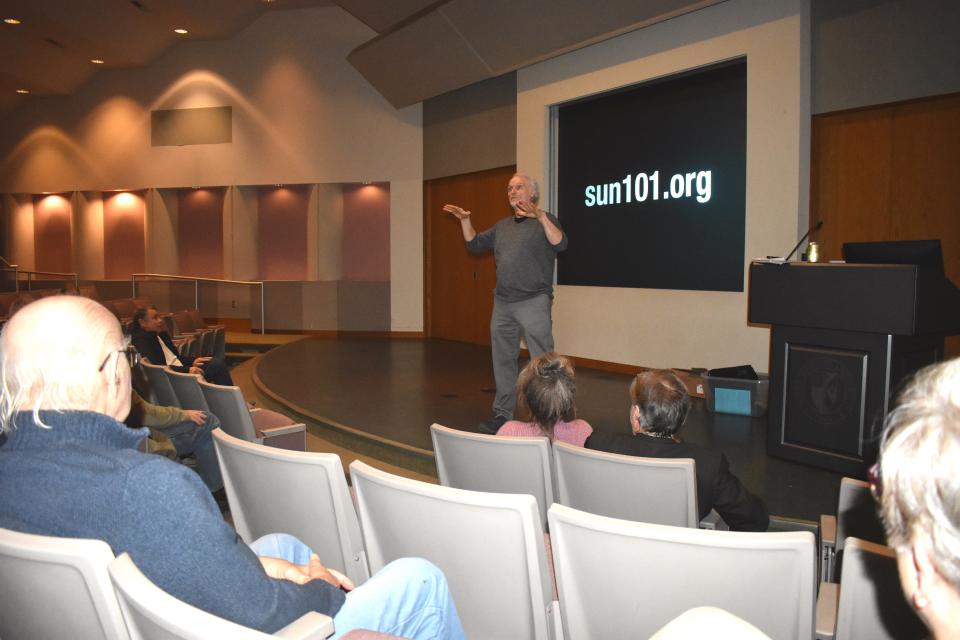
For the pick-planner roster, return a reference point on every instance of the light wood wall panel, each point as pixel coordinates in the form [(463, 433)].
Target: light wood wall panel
[(890, 172)]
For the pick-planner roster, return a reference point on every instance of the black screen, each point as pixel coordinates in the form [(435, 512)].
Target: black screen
[(652, 183)]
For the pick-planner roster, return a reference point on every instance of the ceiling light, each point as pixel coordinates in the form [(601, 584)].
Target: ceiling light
[(23, 91), (96, 61), (11, 21), (181, 31)]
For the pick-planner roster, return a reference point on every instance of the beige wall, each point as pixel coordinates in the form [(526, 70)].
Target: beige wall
[(301, 115), (688, 328)]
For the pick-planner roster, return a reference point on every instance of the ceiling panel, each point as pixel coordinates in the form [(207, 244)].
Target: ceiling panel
[(425, 57)]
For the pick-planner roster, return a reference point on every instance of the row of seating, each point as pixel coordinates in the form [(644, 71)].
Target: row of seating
[(64, 587), (189, 391), (614, 578), (573, 476)]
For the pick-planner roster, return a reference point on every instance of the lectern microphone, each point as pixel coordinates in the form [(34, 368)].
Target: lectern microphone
[(816, 227)]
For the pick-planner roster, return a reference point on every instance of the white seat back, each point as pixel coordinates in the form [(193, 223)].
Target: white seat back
[(496, 464), (872, 606), (160, 385), (228, 405), (51, 587), (153, 614), (653, 490), (857, 513), (620, 579), (300, 493), (489, 546), (187, 388)]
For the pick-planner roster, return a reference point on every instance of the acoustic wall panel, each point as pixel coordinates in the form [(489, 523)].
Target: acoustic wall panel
[(282, 237), (123, 234), (178, 127), (366, 233), (52, 233), (200, 231)]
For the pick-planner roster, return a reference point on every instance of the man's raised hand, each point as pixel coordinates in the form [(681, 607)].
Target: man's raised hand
[(460, 214)]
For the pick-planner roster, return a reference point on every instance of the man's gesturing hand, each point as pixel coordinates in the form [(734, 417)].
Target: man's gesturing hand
[(460, 214)]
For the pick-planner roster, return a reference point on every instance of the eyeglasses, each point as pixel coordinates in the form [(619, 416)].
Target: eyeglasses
[(133, 357), (876, 481)]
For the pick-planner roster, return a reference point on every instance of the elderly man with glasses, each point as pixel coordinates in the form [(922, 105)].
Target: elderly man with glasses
[(70, 468)]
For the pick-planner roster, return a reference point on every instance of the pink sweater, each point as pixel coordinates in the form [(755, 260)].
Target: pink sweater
[(575, 433)]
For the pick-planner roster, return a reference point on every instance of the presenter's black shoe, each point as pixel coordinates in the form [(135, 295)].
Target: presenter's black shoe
[(492, 425)]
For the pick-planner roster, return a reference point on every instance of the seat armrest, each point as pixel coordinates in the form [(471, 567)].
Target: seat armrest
[(828, 547), (272, 432), (828, 600), (713, 522), (292, 437), (309, 626), (828, 531)]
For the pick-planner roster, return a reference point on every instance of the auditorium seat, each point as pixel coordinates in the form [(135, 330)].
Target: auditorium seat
[(489, 546), (162, 391), (52, 587), (253, 425), (497, 464), (708, 622), (153, 614), (856, 516), (304, 494), (186, 386), (652, 490), (868, 604), (620, 579)]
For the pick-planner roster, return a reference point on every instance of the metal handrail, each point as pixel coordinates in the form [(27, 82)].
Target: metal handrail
[(196, 288), (17, 271)]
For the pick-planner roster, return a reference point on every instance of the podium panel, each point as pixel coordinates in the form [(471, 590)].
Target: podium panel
[(843, 339)]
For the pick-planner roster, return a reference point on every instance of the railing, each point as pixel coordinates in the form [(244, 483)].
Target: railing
[(196, 288), (16, 276)]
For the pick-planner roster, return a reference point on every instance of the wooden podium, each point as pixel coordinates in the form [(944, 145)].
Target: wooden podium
[(843, 338)]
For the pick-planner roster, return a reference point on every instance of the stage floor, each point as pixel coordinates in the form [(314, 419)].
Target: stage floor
[(392, 390)]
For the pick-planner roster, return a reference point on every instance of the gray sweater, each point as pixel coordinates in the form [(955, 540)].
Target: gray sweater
[(524, 257)]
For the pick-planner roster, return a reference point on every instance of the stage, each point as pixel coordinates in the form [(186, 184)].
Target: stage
[(390, 391)]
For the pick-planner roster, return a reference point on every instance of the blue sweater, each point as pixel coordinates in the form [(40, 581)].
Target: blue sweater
[(83, 478)]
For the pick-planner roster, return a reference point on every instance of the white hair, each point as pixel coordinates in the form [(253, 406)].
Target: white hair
[(533, 184), (920, 459), (49, 354)]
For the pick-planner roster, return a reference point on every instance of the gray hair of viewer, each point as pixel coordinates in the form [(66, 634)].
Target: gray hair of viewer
[(663, 400), (919, 463), (533, 184), (49, 355), (546, 391)]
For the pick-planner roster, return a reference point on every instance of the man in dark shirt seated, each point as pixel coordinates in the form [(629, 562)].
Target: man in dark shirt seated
[(659, 404), (151, 339), (70, 468)]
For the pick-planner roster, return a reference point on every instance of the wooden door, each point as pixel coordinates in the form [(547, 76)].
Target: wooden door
[(459, 286)]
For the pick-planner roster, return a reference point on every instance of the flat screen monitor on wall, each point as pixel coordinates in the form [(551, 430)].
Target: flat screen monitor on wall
[(651, 183)]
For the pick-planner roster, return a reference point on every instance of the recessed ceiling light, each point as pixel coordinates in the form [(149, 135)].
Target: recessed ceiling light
[(181, 31), (96, 61), (11, 21), (23, 91)]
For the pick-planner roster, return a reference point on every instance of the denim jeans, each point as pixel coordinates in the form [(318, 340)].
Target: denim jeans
[(408, 597), (188, 439)]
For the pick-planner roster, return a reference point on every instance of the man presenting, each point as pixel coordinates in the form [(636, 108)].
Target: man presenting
[(525, 246)]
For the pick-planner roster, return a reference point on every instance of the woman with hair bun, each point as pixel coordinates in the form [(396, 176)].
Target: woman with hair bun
[(546, 402)]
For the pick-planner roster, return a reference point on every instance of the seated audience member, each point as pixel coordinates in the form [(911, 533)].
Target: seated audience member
[(659, 404), (189, 431), (70, 468), (918, 486), (546, 394), (151, 339)]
